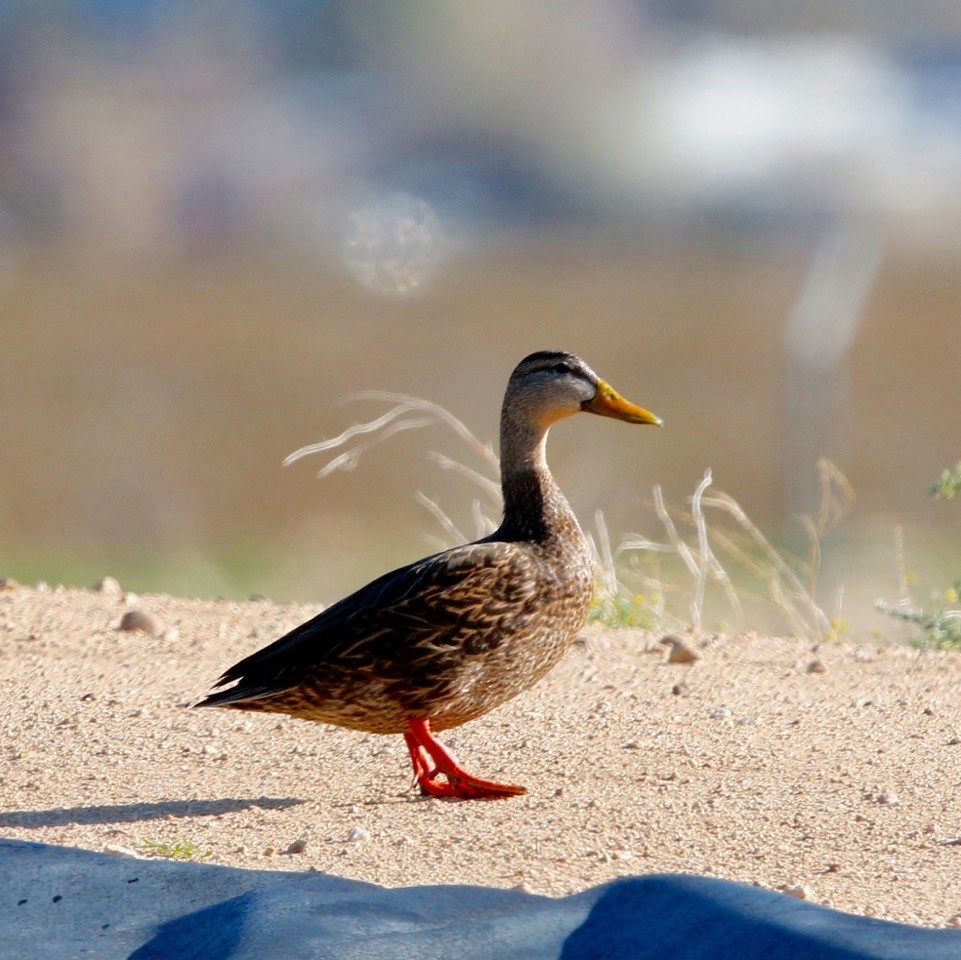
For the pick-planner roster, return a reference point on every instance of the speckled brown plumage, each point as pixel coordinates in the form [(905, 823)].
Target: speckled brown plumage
[(448, 638)]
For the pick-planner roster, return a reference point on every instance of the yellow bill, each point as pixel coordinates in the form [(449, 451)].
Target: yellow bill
[(608, 402)]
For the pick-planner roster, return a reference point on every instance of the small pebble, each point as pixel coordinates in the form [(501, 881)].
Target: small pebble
[(955, 921), (681, 690), (817, 666), (630, 745), (357, 835), (889, 797), (108, 586), (138, 620), (682, 652), (8, 583), (799, 892), (269, 851), (298, 846), (719, 713)]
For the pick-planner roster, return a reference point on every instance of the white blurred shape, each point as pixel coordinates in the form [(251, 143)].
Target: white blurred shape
[(819, 332), (737, 110), (825, 317), (394, 243)]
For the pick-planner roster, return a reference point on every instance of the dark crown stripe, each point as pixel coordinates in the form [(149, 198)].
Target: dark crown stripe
[(547, 357)]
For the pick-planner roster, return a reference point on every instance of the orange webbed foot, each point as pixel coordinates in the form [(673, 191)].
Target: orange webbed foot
[(431, 759)]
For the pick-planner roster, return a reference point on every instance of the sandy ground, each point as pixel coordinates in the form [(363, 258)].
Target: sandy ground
[(842, 783)]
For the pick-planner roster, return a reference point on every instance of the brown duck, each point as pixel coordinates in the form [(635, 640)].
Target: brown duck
[(444, 640)]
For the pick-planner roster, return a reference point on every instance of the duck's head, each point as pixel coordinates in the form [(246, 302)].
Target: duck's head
[(552, 384)]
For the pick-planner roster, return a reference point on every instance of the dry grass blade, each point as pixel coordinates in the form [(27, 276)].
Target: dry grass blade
[(604, 555), (635, 543), (704, 550), (439, 413), (492, 489), (358, 429), (837, 498), (792, 601), (683, 551), (441, 518), (350, 458), (483, 524), (390, 423), (700, 562), (902, 569), (708, 561), (785, 602)]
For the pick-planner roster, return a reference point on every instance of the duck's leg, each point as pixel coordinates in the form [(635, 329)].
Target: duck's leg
[(430, 758), (420, 759)]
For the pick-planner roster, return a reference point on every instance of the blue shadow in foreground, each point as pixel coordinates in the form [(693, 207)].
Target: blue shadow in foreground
[(58, 902), (678, 917)]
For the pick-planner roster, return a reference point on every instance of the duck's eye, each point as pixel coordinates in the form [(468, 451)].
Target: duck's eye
[(562, 368)]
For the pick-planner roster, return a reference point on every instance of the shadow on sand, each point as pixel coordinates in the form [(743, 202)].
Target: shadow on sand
[(132, 812)]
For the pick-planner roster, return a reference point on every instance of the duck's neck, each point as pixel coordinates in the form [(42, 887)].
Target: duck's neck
[(534, 507)]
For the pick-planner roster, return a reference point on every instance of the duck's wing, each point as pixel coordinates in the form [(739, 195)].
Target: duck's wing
[(453, 604)]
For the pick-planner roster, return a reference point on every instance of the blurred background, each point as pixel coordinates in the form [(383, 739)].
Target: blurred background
[(220, 220)]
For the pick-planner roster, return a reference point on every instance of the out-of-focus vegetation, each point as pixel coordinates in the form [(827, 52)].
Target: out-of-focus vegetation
[(219, 221), (939, 619), (641, 582), (948, 485)]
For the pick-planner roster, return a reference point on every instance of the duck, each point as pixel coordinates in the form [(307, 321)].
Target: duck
[(442, 641)]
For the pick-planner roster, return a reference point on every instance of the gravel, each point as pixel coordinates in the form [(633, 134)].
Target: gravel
[(98, 750)]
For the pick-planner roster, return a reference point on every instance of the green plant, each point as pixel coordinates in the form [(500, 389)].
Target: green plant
[(939, 628), (615, 610), (948, 485), (940, 625), (179, 849)]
